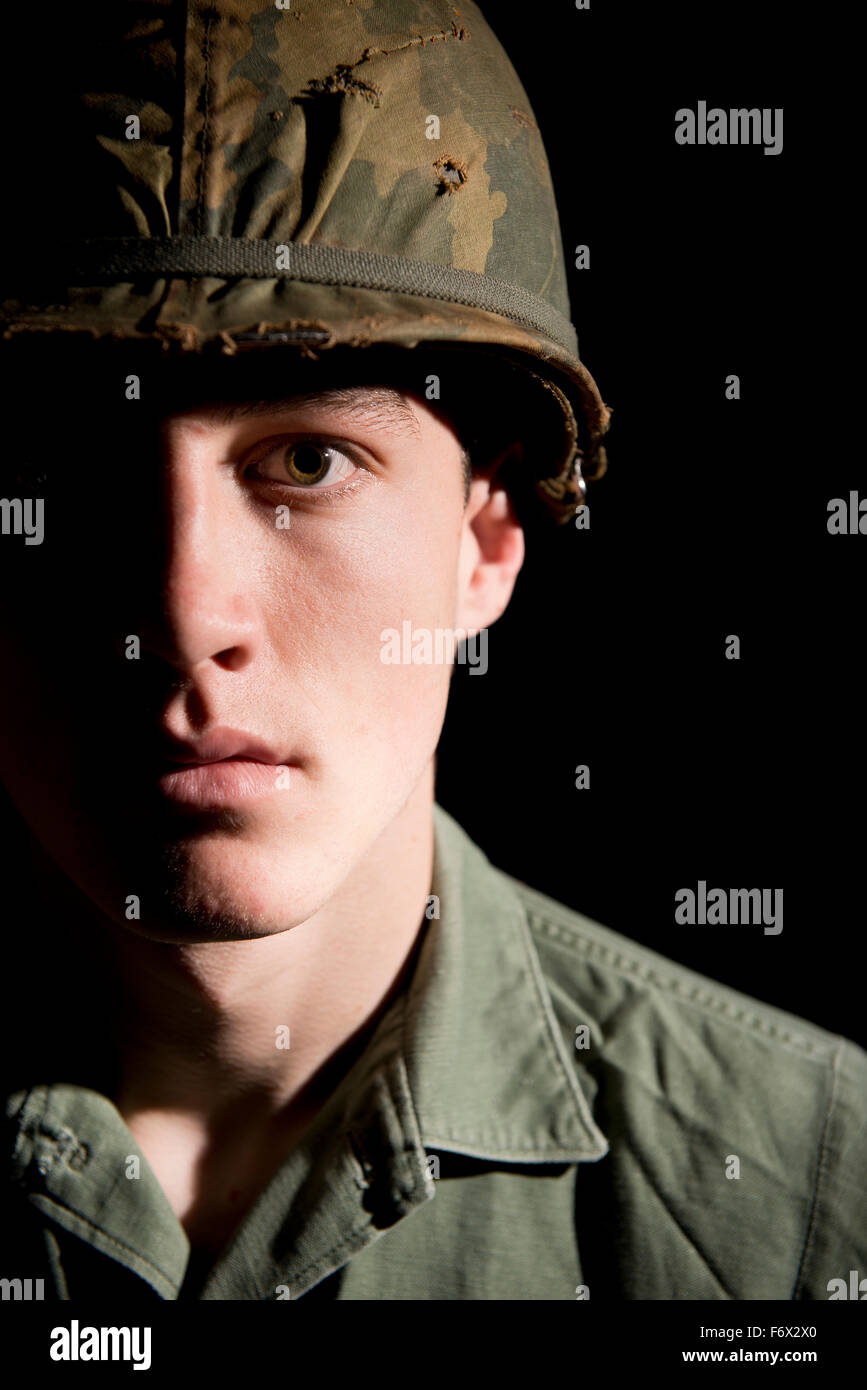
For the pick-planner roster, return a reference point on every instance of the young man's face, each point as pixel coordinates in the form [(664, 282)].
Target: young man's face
[(257, 550)]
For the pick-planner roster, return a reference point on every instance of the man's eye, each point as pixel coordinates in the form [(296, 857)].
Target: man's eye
[(304, 463)]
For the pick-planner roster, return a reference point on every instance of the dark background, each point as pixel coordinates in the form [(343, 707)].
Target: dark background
[(712, 519)]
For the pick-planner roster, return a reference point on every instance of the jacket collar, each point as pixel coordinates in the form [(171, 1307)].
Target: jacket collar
[(488, 1069)]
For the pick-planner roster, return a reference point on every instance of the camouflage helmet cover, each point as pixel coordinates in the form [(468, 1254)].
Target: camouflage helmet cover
[(316, 173)]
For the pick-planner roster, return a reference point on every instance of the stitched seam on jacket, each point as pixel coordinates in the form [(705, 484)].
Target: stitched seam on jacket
[(631, 967), (821, 1169), (52, 1209), (569, 1084)]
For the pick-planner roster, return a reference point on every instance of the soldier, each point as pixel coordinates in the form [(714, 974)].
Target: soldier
[(307, 1008)]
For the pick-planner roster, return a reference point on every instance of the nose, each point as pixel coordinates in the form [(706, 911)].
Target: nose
[(201, 609)]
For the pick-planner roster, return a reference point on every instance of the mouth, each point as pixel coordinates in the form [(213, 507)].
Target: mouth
[(225, 781), (223, 768)]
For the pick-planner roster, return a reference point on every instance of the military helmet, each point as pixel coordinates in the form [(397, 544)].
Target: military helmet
[(346, 173)]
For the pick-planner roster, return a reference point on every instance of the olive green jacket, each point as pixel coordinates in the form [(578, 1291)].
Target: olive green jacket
[(548, 1111)]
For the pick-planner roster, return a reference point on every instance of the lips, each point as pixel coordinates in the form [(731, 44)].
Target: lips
[(220, 745), (222, 768)]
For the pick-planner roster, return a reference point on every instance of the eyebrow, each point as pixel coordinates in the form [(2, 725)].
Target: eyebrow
[(377, 407)]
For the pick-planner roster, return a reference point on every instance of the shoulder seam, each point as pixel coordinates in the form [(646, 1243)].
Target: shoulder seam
[(706, 994)]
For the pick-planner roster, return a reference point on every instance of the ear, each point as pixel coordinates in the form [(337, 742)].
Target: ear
[(491, 553)]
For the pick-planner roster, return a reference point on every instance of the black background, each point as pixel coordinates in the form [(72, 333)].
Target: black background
[(711, 520)]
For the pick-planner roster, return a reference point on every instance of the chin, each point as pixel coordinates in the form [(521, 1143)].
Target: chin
[(234, 892), (199, 889), (202, 909), (202, 923)]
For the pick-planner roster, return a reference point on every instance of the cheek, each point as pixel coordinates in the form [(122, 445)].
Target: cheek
[(352, 586)]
